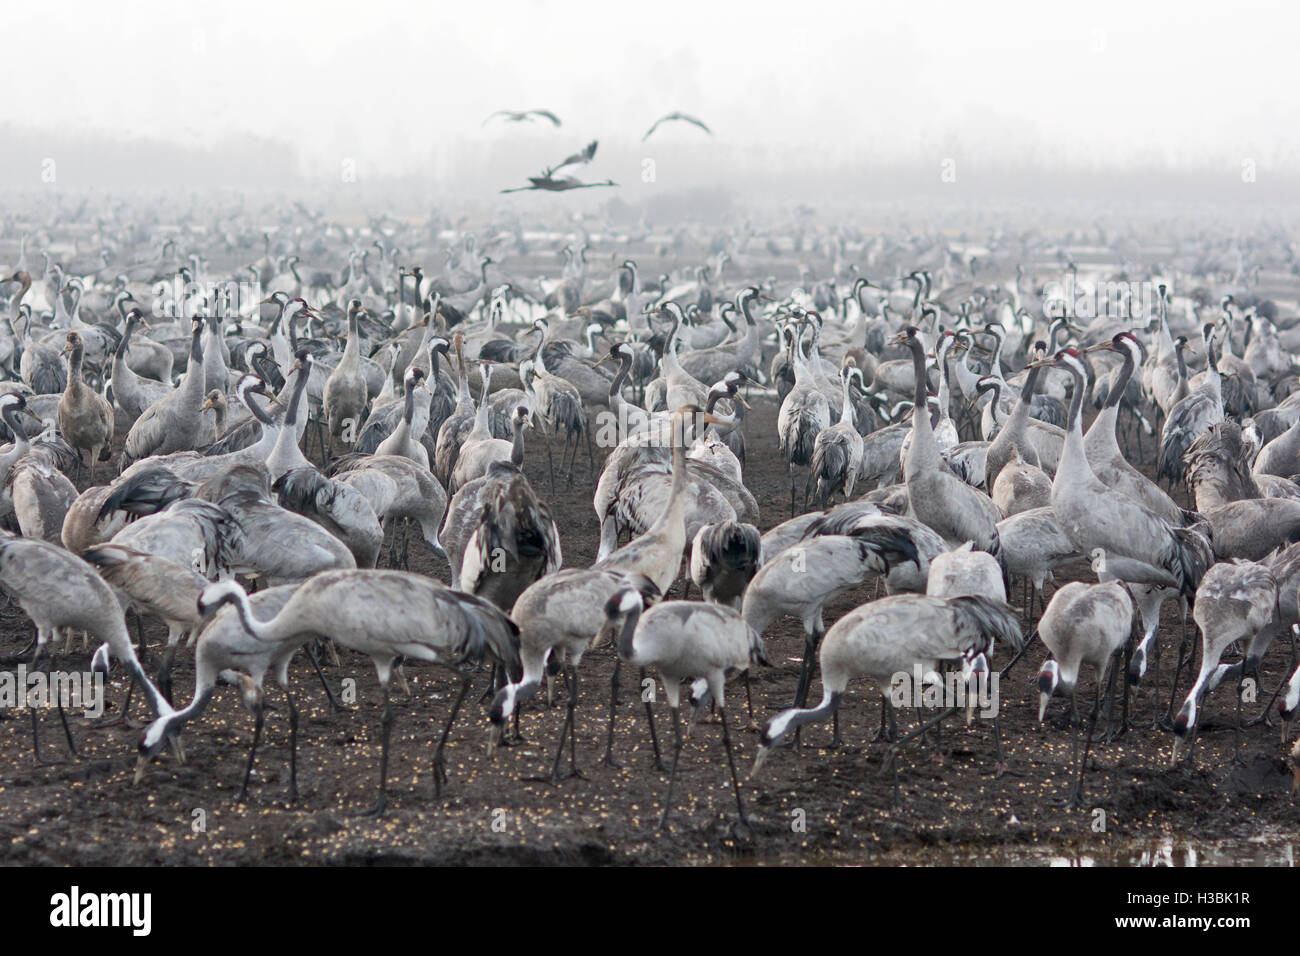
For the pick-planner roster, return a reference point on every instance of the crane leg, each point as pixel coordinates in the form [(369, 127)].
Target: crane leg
[(672, 773), (121, 718), (67, 731), (888, 728), (890, 762), (1236, 724), (1155, 681), (165, 671), (567, 730), (1263, 717), (1186, 657), (1123, 712), (608, 760), (550, 464), (573, 731), (933, 721), (439, 760), (568, 469), (731, 762), (1000, 767), (1108, 698), (36, 743), (293, 746), (259, 717), (1074, 798), (650, 719), (36, 740), (1019, 654), (812, 640), (385, 733), (315, 663)]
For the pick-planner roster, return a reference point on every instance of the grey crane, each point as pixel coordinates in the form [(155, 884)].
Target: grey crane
[(804, 414), (155, 586), (85, 417), (1102, 447), (1092, 516), (513, 541), (337, 507), (559, 616), (657, 554), (132, 393), (344, 399), (1083, 624), (398, 490), (61, 592), (837, 453), (939, 498), (805, 577), (405, 439), (386, 615), (685, 640), (226, 649), (896, 635), (172, 423), (724, 559), (265, 539), (1235, 602), (1202, 408)]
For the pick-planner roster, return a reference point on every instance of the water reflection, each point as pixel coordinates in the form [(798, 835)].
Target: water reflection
[(1269, 847)]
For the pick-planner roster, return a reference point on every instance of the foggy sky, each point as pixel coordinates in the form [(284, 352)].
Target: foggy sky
[(401, 89)]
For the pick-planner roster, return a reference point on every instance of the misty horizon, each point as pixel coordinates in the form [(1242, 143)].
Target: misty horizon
[(871, 102)]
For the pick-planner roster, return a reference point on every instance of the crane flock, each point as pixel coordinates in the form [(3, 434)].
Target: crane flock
[(250, 471)]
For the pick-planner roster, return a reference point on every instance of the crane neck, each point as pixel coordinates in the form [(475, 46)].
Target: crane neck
[(517, 444), (846, 410), (299, 389), (1126, 371), (627, 635)]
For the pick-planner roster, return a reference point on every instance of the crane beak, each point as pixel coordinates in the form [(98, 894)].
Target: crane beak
[(141, 766), (759, 759), (1042, 706), (1179, 744)]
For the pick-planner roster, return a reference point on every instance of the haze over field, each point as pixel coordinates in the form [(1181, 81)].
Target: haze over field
[(868, 99)]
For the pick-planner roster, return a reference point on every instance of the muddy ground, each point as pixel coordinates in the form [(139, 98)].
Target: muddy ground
[(86, 810)]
